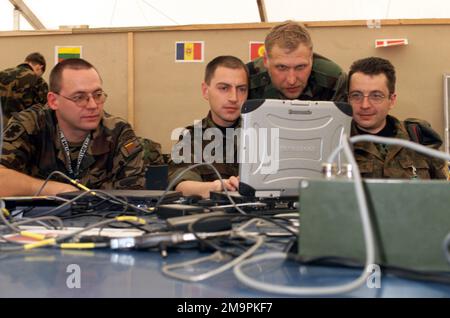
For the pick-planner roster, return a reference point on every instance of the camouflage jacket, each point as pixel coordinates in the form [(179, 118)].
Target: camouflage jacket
[(205, 173), (20, 88), (114, 159), (152, 152), (327, 81), (378, 161)]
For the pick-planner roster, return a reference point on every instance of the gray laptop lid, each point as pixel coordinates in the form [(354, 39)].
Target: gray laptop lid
[(304, 133)]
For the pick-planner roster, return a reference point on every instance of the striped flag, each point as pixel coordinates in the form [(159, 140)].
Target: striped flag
[(67, 52), (256, 50), (390, 42), (189, 51)]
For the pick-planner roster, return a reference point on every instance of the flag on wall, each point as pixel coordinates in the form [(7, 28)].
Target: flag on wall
[(67, 52), (390, 42), (189, 51), (256, 50)]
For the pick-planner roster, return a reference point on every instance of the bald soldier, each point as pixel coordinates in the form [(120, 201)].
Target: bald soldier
[(72, 134)]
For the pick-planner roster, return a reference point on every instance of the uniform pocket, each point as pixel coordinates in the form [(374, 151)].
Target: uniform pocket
[(418, 168), (365, 167)]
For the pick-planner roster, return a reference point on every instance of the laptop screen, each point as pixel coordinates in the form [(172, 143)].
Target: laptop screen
[(284, 141)]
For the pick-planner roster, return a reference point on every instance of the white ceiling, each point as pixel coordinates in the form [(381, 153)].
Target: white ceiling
[(122, 13)]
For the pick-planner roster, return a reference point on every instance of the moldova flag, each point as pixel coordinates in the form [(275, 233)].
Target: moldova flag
[(189, 51)]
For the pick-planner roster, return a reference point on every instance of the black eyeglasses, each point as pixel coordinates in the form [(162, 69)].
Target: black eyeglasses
[(374, 97), (82, 99)]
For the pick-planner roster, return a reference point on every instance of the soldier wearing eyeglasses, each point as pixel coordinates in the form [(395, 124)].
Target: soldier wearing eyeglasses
[(73, 135), (372, 95)]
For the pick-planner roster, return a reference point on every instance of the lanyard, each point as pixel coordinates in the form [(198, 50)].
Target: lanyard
[(81, 154)]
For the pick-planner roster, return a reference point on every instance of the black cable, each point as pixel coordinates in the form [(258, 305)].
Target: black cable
[(210, 243), (74, 216), (131, 225), (429, 276)]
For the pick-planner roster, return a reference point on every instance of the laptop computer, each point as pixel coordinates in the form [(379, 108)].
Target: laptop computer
[(284, 141)]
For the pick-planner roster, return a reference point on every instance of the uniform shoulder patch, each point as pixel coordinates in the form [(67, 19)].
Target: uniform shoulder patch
[(13, 131), (420, 131), (131, 148)]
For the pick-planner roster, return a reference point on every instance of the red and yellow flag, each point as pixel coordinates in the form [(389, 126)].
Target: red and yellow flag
[(256, 50), (390, 42)]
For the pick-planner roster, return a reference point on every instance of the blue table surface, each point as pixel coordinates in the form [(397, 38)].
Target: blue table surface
[(106, 273), (46, 272)]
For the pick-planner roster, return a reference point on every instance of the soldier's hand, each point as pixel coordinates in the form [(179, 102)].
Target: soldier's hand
[(234, 181), (53, 188), (231, 184)]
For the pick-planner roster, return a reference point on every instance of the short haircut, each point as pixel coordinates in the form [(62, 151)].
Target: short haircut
[(73, 64), (288, 35), (36, 58), (375, 66), (226, 61)]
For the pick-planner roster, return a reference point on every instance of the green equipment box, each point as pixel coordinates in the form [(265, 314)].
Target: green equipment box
[(410, 219)]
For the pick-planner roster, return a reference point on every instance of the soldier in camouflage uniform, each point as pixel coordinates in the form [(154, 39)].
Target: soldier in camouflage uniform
[(225, 87), (372, 96), (72, 134), (23, 86), (290, 69)]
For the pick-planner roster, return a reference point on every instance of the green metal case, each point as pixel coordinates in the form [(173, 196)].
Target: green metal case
[(410, 219)]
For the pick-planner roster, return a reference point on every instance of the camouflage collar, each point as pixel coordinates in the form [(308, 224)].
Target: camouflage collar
[(25, 65), (101, 141), (400, 129), (100, 144), (371, 148)]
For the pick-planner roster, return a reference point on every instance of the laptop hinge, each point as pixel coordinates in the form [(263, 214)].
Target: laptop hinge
[(268, 194)]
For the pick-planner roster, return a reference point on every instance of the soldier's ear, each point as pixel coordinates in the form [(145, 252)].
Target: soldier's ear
[(392, 100), (52, 100), (205, 89), (37, 69)]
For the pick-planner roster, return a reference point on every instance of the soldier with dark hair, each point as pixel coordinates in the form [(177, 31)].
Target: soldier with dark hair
[(23, 86), (372, 95), (37, 62), (290, 69), (225, 87), (72, 134)]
